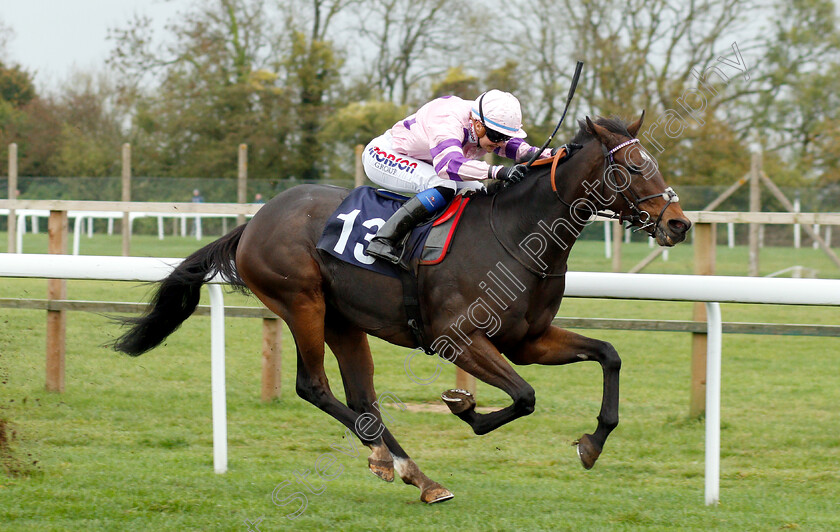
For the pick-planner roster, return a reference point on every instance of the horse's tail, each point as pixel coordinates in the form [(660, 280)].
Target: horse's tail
[(177, 295)]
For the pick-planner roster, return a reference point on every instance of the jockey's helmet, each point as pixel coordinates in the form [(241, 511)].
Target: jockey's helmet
[(499, 111)]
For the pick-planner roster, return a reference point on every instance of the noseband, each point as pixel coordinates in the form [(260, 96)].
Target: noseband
[(637, 215)]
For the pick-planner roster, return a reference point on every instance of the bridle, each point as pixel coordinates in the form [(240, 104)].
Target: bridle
[(637, 215)]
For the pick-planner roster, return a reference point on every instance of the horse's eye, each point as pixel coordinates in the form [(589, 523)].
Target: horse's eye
[(634, 169)]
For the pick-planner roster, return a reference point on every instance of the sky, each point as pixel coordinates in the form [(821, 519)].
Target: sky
[(52, 37)]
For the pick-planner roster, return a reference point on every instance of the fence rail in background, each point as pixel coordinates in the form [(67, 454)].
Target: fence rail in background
[(131, 206), (704, 245), (80, 217), (117, 210), (783, 218), (142, 269), (708, 289)]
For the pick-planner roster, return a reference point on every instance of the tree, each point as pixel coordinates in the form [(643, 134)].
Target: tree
[(27, 120), (16, 85), (506, 77), (798, 111), (410, 40), (36, 129), (650, 53), (457, 83), (216, 85), (634, 50), (280, 76), (313, 72), (357, 123), (91, 132), (235, 72)]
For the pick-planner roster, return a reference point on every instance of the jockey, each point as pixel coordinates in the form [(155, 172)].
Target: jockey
[(435, 153)]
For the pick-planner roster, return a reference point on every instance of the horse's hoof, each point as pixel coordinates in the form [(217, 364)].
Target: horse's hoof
[(382, 469), (436, 493), (587, 451), (458, 401)]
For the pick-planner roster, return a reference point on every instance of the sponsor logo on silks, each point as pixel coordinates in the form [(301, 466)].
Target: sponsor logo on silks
[(392, 160)]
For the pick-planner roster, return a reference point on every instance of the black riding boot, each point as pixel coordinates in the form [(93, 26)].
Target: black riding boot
[(386, 242)]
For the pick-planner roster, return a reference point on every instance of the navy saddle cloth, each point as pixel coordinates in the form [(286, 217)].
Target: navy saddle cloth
[(355, 222)]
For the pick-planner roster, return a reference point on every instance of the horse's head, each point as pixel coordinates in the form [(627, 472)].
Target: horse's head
[(629, 182)]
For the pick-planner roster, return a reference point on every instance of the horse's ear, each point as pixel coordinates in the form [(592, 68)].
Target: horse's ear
[(634, 128), (600, 132)]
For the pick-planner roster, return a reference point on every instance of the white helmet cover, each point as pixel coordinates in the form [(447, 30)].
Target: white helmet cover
[(501, 112)]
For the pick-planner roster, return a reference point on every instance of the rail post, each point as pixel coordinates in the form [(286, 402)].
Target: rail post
[(271, 359), (797, 233), (56, 319), (360, 170), (704, 264), (11, 226), (607, 239), (617, 235), (464, 381), (755, 206), (126, 197), (242, 180)]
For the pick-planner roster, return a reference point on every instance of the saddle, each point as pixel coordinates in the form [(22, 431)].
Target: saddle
[(356, 220)]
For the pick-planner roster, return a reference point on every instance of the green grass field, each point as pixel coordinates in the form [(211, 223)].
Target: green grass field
[(128, 446)]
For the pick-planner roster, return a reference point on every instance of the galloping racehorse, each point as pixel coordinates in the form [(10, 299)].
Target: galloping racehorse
[(525, 231)]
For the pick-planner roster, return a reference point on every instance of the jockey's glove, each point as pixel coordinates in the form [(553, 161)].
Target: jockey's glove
[(570, 148), (511, 174)]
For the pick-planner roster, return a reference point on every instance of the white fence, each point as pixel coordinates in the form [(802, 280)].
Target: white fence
[(142, 269), (708, 289), (711, 290), (80, 217)]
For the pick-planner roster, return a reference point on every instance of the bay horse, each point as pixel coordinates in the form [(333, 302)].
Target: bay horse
[(526, 230)]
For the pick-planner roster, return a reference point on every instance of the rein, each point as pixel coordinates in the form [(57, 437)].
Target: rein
[(541, 162), (637, 215), (511, 252)]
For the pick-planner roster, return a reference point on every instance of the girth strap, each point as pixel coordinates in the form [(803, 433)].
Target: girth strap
[(411, 302)]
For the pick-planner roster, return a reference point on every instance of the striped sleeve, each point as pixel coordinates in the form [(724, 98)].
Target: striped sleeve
[(520, 151), (450, 163)]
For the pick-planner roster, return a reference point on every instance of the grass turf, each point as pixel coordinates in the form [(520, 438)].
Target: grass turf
[(129, 446)]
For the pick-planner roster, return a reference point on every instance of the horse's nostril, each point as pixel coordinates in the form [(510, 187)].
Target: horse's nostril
[(678, 226)]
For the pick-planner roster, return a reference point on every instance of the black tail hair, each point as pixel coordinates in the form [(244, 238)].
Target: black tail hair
[(177, 296)]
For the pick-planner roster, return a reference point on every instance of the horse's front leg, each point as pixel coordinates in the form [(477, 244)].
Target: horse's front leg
[(558, 346), (482, 360)]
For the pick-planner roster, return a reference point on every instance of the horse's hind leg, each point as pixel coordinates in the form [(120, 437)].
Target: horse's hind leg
[(350, 346), (304, 314), (356, 365), (300, 302)]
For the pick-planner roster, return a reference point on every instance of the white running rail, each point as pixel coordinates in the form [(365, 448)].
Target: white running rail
[(710, 290)]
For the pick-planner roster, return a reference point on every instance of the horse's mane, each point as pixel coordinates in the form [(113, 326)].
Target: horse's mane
[(613, 125)]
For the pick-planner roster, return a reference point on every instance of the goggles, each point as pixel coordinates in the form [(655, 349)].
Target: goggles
[(494, 136)]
